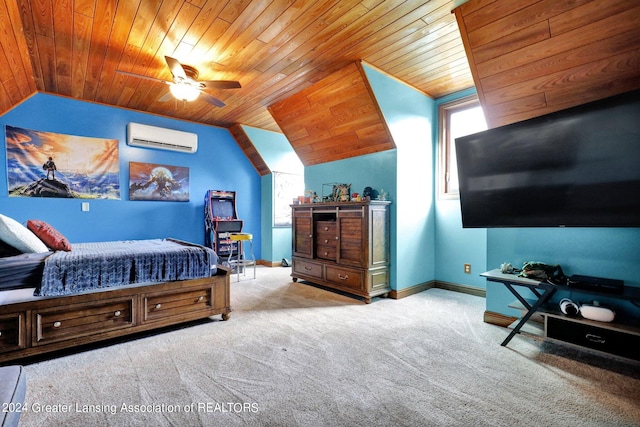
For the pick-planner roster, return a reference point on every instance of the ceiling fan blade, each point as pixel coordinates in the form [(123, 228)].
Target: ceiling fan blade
[(140, 76), (212, 100), (166, 97), (220, 84), (176, 68)]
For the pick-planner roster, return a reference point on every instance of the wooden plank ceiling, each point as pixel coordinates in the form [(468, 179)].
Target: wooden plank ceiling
[(336, 118), (534, 57), (274, 48)]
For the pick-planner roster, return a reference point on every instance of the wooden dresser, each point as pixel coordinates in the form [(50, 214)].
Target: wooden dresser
[(343, 246)]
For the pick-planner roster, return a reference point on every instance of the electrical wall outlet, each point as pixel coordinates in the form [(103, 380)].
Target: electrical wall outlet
[(467, 268)]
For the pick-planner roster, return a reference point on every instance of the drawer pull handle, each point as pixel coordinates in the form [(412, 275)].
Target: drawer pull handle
[(337, 238), (326, 229), (117, 313), (595, 338), (200, 298), (0, 333), (341, 277), (310, 236), (326, 240), (158, 306), (57, 324), (306, 267), (326, 253)]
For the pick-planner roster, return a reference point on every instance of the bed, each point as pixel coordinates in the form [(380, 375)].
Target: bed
[(55, 299)]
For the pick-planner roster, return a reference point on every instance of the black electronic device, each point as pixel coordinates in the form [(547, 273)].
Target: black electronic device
[(599, 284), (576, 168), (221, 219)]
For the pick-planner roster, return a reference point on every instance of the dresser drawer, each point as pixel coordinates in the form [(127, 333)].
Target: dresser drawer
[(11, 332), (326, 252), (52, 325), (326, 227), (346, 277), (180, 302), (586, 335), (307, 268), (326, 240)]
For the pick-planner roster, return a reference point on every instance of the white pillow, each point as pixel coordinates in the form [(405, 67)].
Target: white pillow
[(19, 236)]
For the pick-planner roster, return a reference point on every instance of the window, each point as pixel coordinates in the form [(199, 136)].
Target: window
[(457, 118)]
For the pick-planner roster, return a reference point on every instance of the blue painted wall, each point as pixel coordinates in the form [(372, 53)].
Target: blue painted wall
[(276, 151), (218, 164), (454, 245), (409, 116), (601, 252)]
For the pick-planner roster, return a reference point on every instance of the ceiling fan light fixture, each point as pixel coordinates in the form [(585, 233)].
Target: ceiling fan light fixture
[(184, 91)]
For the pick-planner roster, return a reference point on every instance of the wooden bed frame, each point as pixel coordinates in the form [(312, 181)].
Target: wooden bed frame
[(46, 324)]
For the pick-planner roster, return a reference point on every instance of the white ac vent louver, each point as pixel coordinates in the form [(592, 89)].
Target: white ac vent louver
[(139, 135)]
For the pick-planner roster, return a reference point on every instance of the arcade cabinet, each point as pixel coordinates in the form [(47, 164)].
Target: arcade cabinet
[(221, 219)]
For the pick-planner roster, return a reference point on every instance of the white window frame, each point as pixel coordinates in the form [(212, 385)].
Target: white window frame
[(445, 142)]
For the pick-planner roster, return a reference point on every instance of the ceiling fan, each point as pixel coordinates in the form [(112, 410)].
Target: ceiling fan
[(186, 86)]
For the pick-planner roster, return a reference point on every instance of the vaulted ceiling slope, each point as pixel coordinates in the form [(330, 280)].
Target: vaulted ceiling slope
[(336, 118), (274, 48)]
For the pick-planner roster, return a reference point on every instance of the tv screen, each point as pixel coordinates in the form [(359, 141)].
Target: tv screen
[(578, 167), (222, 209)]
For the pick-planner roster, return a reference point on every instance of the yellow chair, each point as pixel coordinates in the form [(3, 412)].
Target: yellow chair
[(241, 261)]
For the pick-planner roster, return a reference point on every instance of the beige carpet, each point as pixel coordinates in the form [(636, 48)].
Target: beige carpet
[(296, 355)]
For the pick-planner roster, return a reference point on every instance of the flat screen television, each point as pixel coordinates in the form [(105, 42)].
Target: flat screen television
[(578, 167)]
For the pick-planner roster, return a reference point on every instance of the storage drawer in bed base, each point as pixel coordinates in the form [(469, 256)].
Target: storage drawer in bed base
[(12, 332), (43, 325), (56, 324), (176, 304)]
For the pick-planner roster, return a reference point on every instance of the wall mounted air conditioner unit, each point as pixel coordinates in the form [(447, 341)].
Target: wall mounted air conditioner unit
[(146, 136)]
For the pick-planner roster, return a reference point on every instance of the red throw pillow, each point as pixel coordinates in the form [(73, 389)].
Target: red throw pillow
[(49, 235)]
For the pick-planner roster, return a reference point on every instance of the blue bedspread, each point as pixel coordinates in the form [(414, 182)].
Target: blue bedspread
[(105, 264)]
